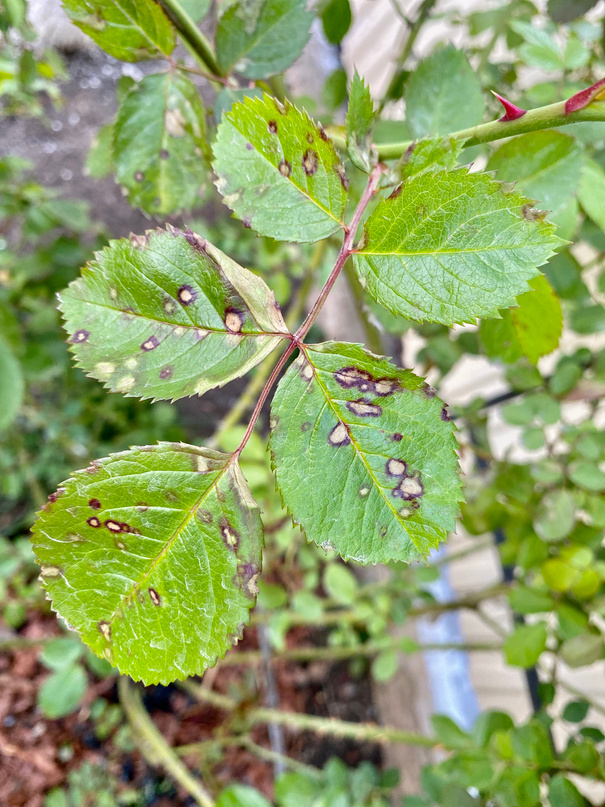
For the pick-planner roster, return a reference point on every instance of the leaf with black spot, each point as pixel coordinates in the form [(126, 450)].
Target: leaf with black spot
[(279, 172), (364, 454), (130, 30), (450, 246), (168, 315), (159, 144), (152, 555)]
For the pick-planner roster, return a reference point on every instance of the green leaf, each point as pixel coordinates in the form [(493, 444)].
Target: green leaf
[(197, 9), (563, 793), (99, 160), (568, 10), (555, 515), (241, 796), (576, 711), (159, 144), (547, 166), (587, 475), (340, 583), (452, 246), (583, 650), (449, 733), (443, 95), (524, 646), (152, 556), (385, 665), (538, 321), (281, 32), (592, 192), (525, 600), (532, 330), (129, 30), (364, 455), (62, 692), (430, 153), (336, 19), (61, 652), (11, 385), (360, 122), (279, 172), (168, 315)]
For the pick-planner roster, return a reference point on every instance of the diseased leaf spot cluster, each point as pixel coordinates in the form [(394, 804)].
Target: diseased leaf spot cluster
[(350, 377), (95, 504), (150, 344), (339, 436), (310, 162), (105, 628), (229, 535), (285, 168), (234, 320), (248, 577), (187, 295), (363, 408), (272, 126), (410, 486), (80, 336)]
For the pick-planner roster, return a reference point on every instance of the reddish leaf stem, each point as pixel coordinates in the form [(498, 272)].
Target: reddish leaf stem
[(345, 251), (298, 337)]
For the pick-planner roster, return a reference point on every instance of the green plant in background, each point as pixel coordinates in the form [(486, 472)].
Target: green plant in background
[(154, 554)]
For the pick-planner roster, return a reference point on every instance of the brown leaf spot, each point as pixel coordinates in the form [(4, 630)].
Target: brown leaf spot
[(113, 526), (142, 507), (246, 221), (171, 496), (166, 372), (363, 408), (164, 154), (139, 176), (310, 138), (396, 192), (342, 175), (530, 213), (249, 146), (52, 497), (428, 391), (248, 576), (139, 241), (383, 531), (410, 487), (154, 597), (385, 386), (306, 426), (150, 344), (80, 336), (285, 168), (306, 372), (339, 436), (444, 414), (93, 521), (310, 162), (205, 516), (95, 504), (349, 377), (105, 627), (119, 544), (322, 134), (187, 295), (234, 320), (397, 438), (272, 126), (194, 240), (229, 535), (396, 467)]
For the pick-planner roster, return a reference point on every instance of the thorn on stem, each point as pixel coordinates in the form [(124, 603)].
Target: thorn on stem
[(512, 112)]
